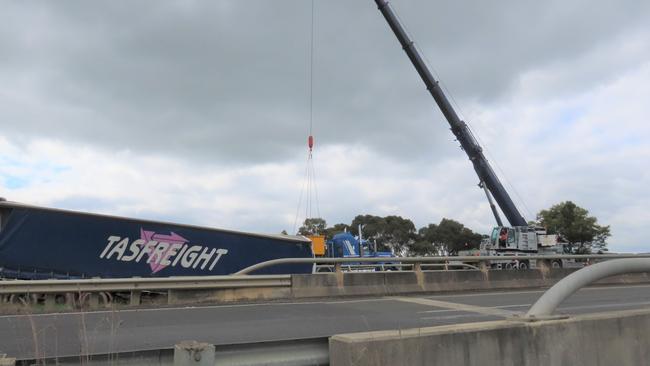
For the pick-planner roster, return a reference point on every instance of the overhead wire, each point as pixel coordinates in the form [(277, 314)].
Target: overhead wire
[(487, 152), (311, 72), (302, 189), (311, 196), (314, 188)]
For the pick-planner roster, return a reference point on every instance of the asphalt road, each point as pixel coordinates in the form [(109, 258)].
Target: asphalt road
[(59, 335)]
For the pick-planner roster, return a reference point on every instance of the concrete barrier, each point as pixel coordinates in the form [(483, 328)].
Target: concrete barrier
[(303, 286), (325, 285), (616, 338), (182, 297), (400, 283), (626, 279), (403, 282)]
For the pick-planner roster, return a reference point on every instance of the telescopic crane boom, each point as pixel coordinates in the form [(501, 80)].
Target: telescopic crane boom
[(468, 143)]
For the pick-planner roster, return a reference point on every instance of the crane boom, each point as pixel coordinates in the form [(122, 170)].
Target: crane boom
[(459, 128)]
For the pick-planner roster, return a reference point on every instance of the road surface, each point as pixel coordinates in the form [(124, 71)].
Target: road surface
[(70, 334)]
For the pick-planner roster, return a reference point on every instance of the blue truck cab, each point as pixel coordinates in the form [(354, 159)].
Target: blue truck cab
[(345, 245)]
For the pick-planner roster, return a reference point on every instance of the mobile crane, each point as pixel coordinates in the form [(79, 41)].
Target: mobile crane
[(520, 238)]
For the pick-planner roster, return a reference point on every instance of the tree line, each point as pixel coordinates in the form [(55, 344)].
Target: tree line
[(580, 232)]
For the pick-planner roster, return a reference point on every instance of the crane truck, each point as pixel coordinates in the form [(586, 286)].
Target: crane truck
[(518, 239)]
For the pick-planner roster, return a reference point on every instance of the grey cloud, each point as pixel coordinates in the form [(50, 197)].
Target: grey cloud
[(227, 81)]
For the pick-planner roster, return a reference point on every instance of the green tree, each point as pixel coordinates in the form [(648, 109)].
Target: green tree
[(338, 228), (372, 225), (393, 233), (313, 226), (425, 244), (398, 234), (573, 224), (446, 238)]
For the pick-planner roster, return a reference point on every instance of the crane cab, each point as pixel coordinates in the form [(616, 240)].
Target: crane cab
[(519, 238)]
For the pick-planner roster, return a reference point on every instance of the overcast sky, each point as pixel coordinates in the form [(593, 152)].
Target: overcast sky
[(198, 111)]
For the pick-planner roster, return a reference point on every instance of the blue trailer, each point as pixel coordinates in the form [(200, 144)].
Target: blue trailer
[(39, 242)]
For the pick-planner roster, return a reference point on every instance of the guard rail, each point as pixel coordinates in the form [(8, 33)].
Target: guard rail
[(418, 261), (142, 284), (242, 286)]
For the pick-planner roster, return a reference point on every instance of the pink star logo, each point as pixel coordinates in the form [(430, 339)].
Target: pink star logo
[(173, 238)]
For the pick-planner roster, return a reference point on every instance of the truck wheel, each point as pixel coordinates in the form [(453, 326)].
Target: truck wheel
[(508, 265), (523, 265), (556, 264)]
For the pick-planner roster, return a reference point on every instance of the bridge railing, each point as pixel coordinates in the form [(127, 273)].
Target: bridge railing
[(387, 267), (97, 292), (134, 291), (417, 263)]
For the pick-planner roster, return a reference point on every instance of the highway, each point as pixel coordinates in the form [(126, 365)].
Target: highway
[(69, 334)]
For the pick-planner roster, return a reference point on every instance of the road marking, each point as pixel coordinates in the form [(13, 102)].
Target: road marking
[(488, 307), (475, 294), (194, 308), (561, 308), (488, 293), (458, 307), (449, 317), (598, 306)]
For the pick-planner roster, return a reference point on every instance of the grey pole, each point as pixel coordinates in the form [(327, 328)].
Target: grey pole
[(492, 206), (547, 304)]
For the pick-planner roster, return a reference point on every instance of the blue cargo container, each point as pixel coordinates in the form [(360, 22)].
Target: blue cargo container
[(39, 242)]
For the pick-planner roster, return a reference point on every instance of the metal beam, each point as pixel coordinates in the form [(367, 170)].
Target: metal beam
[(142, 284), (547, 304), (470, 259), (242, 280)]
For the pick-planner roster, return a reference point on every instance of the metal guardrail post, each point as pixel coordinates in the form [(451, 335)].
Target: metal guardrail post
[(50, 301), (135, 298), (7, 361), (483, 267), (417, 267), (93, 300), (554, 296), (189, 353)]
